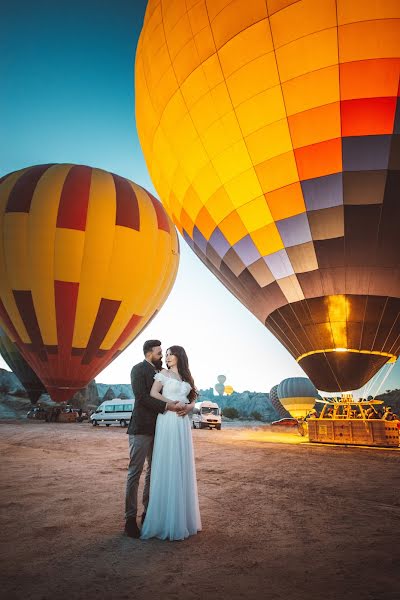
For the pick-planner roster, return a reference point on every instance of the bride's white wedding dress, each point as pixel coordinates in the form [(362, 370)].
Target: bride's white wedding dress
[(173, 511)]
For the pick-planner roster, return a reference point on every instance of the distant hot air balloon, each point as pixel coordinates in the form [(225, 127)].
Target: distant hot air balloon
[(219, 388), (221, 378), (277, 404), (87, 258), (271, 133), (14, 359), (228, 390), (297, 395)]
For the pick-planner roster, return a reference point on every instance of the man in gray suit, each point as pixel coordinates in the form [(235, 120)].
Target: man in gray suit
[(141, 431)]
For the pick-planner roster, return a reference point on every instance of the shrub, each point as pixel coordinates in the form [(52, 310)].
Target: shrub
[(230, 413), (257, 416)]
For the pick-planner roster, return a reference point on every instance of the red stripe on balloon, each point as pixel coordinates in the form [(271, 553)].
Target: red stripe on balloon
[(162, 219), (26, 308), (128, 214), (20, 197), (74, 200), (367, 116), (133, 322), (105, 316), (66, 298)]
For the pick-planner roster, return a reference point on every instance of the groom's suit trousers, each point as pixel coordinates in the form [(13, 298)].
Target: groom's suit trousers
[(140, 448)]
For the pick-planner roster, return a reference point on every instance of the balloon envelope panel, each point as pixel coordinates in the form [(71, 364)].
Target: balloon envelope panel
[(272, 134), (87, 258)]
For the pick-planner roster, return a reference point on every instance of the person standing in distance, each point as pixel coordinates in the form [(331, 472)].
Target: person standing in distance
[(141, 431)]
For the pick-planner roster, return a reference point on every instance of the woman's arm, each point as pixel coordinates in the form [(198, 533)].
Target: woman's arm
[(155, 391)]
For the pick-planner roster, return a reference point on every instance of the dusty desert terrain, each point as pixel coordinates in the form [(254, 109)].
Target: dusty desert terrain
[(282, 519)]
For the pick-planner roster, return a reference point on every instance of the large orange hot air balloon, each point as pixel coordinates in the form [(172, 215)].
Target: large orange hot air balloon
[(86, 260), (271, 132)]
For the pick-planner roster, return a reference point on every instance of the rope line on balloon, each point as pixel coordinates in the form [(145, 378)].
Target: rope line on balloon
[(388, 371)]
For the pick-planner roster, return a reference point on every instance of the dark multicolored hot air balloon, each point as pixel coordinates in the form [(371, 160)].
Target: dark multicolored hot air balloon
[(271, 130), (14, 359), (87, 258), (297, 396)]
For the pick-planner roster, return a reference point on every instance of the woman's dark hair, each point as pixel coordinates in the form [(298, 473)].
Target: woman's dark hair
[(183, 369), (149, 345)]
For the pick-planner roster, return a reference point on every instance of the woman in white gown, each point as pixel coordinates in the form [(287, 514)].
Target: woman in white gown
[(173, 511)]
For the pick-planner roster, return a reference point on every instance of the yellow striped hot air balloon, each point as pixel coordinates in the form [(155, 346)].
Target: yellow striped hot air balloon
[(87, 258), (271, 132)]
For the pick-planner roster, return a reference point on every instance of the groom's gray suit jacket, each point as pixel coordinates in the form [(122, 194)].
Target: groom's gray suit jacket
[(146, 409)]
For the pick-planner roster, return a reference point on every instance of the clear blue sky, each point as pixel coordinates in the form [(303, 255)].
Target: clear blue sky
[(66, 72)]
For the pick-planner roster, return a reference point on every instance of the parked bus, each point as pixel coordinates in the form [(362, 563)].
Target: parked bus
[(113, 411), (206, 414)]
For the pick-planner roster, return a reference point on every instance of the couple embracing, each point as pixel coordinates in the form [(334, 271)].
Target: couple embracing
[(160, 432)]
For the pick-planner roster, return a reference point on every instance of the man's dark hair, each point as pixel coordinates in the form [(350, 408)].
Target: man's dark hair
[(149, 345)]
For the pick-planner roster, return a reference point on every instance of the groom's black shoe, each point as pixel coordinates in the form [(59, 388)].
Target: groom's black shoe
[(131, 528)]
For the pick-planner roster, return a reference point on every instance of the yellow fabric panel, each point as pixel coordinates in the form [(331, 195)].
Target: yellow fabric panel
[(243, 188), (309, 53), (15, 239), (193, 204), (291, 288), (6, 294), (204, 43), (255, 77), (99, 241), (203, 112), (173, 16), (247, 45), (272, 140), (267, 239), (277, 172), (235, 17), (163, 92), (366, 10), (222, 134), (369, 39), (219, 206), (206, 182), (173, 113), (263, 109), (180, 35), (68, 254), (194, 159), (221, 99), (195, 87), (180, 185), (233, 160), (301, 19), (186, 61), (232, 228), (212, 71), (41, 253), (255, 214), (311, 90)]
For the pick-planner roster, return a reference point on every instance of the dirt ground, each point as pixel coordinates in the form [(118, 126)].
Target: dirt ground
[(282, 519)]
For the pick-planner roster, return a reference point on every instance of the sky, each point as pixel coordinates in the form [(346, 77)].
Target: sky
[(67, 73)]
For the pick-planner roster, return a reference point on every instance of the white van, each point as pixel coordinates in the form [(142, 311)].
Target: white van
[(206, 414), (113, 411)]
